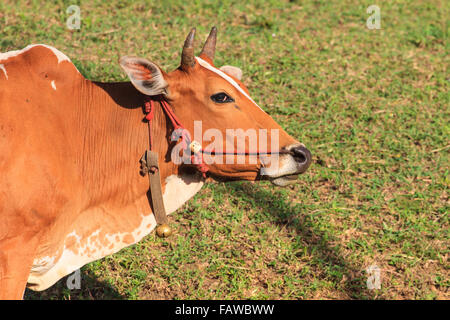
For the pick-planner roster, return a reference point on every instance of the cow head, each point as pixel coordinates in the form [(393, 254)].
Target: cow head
[(214, 102)]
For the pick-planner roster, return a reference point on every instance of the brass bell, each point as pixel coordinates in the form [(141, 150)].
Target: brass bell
[(163, 230)]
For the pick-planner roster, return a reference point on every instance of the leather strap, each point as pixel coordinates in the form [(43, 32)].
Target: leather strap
[(149, 165)]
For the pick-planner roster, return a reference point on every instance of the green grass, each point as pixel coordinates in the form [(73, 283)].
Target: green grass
[(371, 105)]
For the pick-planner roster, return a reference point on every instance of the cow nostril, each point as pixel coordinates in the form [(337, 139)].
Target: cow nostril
[(301, 155)]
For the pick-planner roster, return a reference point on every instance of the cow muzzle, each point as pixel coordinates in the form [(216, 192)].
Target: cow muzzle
[(284, 169)]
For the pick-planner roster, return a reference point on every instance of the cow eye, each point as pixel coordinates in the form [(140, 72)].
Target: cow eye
[(221, 97)]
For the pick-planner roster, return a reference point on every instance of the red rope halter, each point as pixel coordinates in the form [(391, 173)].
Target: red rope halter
[(196, 158)]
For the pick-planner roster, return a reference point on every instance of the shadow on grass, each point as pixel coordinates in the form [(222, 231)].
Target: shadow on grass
[(91, 289), (330, 260)]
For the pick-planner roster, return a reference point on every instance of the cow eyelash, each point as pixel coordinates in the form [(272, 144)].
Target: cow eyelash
[(221, 97)]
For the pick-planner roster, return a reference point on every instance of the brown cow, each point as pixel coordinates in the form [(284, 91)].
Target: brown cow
[(70, 190)]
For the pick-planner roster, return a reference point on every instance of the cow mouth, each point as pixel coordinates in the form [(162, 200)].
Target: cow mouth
[(285, 180)]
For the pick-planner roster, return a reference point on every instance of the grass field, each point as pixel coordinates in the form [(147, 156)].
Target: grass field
[(371, 105)]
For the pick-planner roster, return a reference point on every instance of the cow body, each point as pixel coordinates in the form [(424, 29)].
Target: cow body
[(70, 191), (70, 188)]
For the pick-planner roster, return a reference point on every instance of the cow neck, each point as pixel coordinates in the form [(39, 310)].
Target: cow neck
[(112, 138)]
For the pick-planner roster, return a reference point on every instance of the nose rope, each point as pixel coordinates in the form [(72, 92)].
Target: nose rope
[(197, 150)]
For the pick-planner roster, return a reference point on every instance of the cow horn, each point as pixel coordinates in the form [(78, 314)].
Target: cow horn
[(209, 48), (187, 55)]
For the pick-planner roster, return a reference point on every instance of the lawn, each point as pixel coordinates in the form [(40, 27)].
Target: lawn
[(372, 105)]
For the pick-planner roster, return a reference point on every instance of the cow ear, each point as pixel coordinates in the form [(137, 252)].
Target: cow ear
[(232, 71), (146, 76)]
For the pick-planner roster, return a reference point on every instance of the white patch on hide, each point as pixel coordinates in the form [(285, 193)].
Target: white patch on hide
[(2, 67), (46, 271), (61, 56)]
